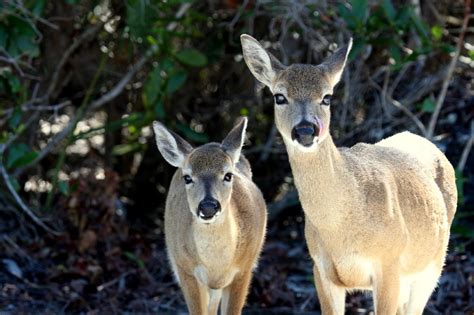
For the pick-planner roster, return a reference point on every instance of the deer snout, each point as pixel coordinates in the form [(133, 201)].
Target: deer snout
[(208, 208), (304, 133)]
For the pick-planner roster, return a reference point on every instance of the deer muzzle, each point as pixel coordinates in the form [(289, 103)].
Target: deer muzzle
[(208, 208), (304, 133)]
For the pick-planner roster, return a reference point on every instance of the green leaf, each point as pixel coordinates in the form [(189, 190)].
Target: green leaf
[(22, 38), (132, 257), (175, 81), (244, 111), (14, 182), (192, 135), (420, 26), (460, 180), (152, 87), (395, 52), (346, 14), (462, 230), (447, 48), (14, 120), (470, 53), (160, 110), (63, 187), (140, 17), (3, 36), (357, 47), (38, 7), (428, 105), (437, 32), (191, 57), (389, 9), (20, 155), (360, 10), (122, 149)]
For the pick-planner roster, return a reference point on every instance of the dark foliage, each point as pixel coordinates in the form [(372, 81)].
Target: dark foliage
[(82, 185)]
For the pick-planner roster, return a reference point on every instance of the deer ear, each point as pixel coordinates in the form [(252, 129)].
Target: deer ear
[(334, 65), (173, 148), (263, 65), (233, 142)]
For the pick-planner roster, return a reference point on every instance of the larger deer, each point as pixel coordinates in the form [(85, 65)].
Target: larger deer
[(377, 216), (215, 220)]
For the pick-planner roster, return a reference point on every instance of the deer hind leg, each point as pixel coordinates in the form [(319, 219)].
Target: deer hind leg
[(421, 289), (331, 297), (386, 285), (195, 294)]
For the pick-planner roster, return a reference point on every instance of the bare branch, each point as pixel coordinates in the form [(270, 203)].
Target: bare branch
[(109, 96), (467, 150), (14, 63), (77, 43), (20, 201), (400, 106), (449, 74), (118, 88), (28, 13), (32, 107)]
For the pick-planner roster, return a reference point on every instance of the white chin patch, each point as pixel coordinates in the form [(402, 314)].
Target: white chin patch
[(201, 219), (303, 148)]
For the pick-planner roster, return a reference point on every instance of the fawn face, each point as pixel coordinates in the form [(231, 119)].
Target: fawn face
[(302, 92), (208, 171)]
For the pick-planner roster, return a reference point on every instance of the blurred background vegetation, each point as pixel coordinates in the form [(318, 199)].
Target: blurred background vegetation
[(82, 185)]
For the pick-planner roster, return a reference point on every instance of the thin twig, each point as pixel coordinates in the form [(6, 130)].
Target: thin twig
[(268, 144), (118, 88), (449, 74), (18, 199), (467, 150), (105, 285), (77, 43), (400, 106), (21, 8), (109, 96), (14, 63), (32, 107)]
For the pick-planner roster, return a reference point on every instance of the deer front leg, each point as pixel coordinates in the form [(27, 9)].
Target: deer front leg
[(386, 288), (195, 294), (233, 297), (331, 297)]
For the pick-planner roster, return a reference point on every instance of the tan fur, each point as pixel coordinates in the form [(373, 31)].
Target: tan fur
[(216, 260), (377, 216)]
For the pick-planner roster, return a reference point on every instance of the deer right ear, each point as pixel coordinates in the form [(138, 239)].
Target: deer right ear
[(173, 148), (261, 63), (334, 65), (233, 142)]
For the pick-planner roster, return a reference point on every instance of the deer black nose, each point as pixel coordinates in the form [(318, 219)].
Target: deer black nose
[(304, 133), (208, 208)]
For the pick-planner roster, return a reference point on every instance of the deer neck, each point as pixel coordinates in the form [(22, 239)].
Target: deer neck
[(319, 178), (219, 238)]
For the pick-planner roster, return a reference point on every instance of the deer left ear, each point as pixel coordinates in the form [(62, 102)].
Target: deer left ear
[(233, 142), (334, 65)]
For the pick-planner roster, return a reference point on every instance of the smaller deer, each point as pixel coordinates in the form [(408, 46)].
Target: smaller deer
[(215, 220)]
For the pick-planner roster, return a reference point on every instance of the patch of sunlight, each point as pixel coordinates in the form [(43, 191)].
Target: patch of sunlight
[(99, 173), (80, 147), (37, 184)]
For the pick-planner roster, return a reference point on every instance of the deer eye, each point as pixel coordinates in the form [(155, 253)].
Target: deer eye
[(326, 100), (280, 99), (187, 179), (228, 177)]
